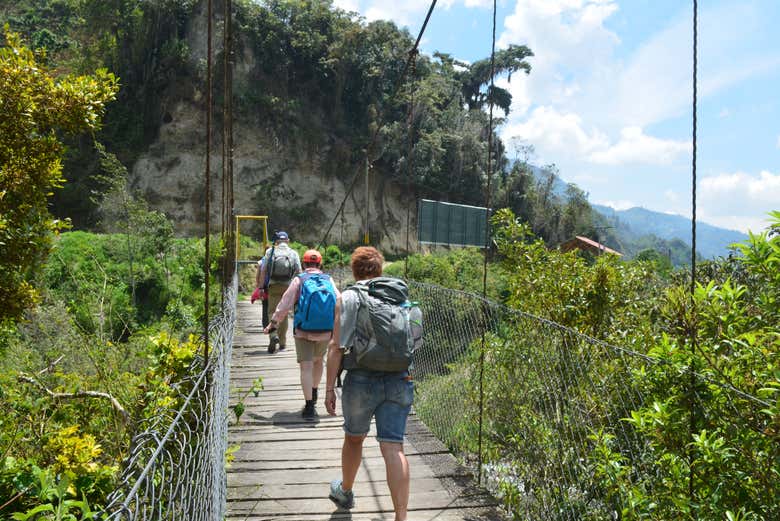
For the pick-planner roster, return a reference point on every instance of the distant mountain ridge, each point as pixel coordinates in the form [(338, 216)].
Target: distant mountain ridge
[(711, 241), (636, 228)]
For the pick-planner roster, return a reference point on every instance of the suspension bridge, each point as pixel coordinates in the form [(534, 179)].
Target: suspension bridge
[(502, 398), (478, 437), (283, 465)]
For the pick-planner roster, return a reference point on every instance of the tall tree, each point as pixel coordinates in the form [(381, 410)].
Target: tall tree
[(475, 76), (36, 108)]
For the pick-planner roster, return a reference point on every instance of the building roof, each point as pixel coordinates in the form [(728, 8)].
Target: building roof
[(583, 243)]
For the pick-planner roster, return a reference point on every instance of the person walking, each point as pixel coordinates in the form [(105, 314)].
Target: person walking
[(314, 296), (373, 339), (279, 265)]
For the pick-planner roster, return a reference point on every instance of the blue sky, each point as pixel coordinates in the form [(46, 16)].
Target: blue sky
[(609, 97)]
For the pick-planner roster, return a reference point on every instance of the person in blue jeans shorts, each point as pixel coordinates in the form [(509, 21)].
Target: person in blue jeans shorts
[(386, 396)]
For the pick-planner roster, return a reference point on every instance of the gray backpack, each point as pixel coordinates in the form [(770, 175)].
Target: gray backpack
[(282, 267), (383, 337)]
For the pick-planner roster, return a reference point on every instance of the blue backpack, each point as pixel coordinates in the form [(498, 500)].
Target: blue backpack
[(316, 305)]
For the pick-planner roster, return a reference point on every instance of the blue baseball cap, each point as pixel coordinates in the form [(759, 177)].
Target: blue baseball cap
[(281, 236)]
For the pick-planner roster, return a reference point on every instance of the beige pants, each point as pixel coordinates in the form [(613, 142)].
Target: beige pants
[(275, 292), (309, 350)]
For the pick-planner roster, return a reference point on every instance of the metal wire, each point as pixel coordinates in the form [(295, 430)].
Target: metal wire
[(176, 466), (375, 136), (548, 390), (693, 327)]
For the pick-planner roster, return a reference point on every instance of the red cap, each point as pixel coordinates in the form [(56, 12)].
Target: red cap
[(312, 256)]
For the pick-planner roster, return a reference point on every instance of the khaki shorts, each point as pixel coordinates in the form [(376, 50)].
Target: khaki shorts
[(308, 350)]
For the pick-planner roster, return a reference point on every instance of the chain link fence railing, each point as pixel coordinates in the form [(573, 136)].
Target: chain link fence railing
[(549, 398), (176, 466)]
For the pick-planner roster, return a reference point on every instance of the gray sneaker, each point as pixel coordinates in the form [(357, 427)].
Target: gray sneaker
[(339, 496)]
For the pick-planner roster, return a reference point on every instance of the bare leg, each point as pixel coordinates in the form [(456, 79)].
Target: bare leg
[(316, 373), (351, 454), (306, 369), (397, 476)]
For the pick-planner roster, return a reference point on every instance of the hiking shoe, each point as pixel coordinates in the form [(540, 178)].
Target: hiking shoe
[(309, 413), (282, 347), (339, 496), (272, 344)]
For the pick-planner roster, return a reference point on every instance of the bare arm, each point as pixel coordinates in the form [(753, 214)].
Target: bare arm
[(286, 303), (334, 362)]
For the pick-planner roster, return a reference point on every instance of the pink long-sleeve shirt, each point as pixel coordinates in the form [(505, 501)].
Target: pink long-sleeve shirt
[(290, 298)]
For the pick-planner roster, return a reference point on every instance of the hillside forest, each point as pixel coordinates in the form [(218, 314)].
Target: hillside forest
[(102, 303)]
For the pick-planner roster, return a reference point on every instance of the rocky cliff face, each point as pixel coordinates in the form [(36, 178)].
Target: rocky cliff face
[(284, 181)]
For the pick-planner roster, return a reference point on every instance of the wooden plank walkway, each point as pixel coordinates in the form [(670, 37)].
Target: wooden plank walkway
[(284, 465)]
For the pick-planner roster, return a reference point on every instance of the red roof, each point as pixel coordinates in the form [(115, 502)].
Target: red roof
[(583, 243)]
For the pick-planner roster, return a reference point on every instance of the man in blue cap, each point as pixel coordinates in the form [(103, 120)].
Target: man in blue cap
[(277, 268)]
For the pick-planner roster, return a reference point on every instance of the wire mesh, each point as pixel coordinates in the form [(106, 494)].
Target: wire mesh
[(550, 393), (341, 275), (176, 466)]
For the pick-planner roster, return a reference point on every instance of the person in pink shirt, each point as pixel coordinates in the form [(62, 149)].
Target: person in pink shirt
[(314, 296)]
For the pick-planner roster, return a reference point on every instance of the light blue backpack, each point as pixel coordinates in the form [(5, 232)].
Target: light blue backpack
[(316, 305)]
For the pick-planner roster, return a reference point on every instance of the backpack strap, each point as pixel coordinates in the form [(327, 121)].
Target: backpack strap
[(303, 276), (269, 267), (363, 321)]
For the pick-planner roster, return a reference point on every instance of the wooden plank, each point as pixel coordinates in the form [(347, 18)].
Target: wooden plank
[(457, 514), (373, 503)]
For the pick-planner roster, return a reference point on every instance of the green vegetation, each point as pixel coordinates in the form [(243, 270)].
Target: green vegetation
[(90, 339), (320, 79), (626, 418), (95, 328), (36, 107), (460, 269)]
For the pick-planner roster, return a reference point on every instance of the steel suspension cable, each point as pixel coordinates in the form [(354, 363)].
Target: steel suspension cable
[(693, 325), (410, 146), (228, 235), (487, 236), (375, 135), (207, 195)]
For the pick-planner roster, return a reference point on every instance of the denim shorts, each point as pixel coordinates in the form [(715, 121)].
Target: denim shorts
[(386, 396)]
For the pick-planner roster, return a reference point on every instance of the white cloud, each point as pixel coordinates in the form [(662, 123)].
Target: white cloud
[(635, 146), (739, 200), (672, 196), (576, 69), (402, 12), (556, 135), (552, 132), (351, 6), (618, 205), (569, 40)]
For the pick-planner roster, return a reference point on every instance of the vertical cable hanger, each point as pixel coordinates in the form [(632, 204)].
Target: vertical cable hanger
[(487, 236), (223, 177), (693, 325), (375, 134), (410, 144), (207, 194), (368, 204), (231, 257)]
